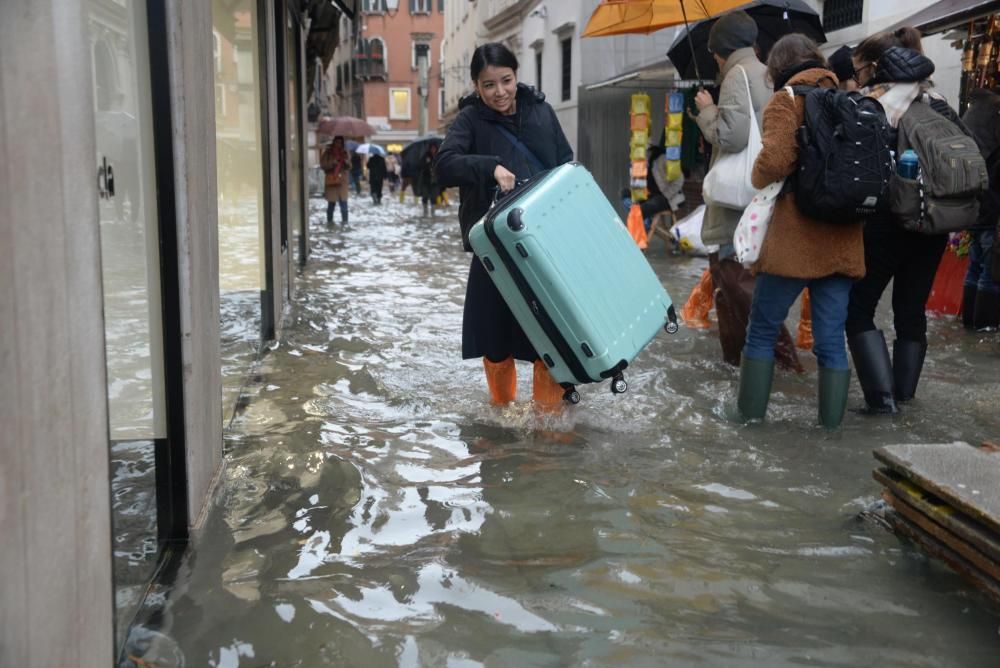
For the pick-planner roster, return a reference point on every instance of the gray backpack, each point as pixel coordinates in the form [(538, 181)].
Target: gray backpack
[(945, 196)]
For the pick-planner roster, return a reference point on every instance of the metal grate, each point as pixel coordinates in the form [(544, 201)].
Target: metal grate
[(839, 14)]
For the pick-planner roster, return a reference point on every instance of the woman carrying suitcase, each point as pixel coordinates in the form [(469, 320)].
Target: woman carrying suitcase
[(505, 132)]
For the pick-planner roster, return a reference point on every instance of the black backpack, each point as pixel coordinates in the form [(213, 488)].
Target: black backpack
[(845, 156)]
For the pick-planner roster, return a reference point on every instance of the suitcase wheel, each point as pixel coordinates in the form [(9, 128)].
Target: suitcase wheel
[(618, 385), (571, 395)]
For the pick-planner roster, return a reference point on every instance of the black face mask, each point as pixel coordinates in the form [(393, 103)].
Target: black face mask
[(787, 75)]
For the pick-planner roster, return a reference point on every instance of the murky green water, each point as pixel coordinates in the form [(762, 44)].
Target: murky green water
[(376, 512)]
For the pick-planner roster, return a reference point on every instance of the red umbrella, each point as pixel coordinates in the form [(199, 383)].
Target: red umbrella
[(347, 126)]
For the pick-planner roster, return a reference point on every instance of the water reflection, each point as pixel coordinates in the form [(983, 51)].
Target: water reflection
[(378, 512)]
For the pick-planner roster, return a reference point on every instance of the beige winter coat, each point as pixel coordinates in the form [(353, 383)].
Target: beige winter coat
[(726, 127)]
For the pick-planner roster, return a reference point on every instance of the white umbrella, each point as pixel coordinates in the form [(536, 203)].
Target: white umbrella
[(366, 149)]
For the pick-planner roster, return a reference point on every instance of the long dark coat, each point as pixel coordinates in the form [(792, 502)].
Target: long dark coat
[(468, 156)]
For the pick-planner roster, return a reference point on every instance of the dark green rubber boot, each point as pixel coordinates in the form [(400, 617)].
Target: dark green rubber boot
[(833, 386), (755, 387)]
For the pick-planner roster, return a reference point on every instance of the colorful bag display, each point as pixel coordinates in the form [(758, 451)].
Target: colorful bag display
[(640, 169), (674, 170), (640, 138), (641, 103), (639, 122), (752, 228), (675, 103), (673, 138), (637, 152), (675, 121)]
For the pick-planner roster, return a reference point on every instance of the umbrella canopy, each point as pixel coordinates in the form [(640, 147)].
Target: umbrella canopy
[(774, 18), (366, 149), (414, 152), (347, 126), (623, 17)]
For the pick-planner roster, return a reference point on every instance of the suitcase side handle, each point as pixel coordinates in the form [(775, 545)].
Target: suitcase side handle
[(514, 221)]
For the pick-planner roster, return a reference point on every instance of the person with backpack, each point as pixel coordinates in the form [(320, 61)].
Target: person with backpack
[(798, 251), (981, 294), (726, 126), (336, 165), (905, 244), (503, 133)]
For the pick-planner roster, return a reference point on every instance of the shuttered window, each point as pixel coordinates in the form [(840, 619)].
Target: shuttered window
[(839, 14), (567, 68)]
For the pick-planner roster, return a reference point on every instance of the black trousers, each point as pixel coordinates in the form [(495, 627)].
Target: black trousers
[(908, 259)]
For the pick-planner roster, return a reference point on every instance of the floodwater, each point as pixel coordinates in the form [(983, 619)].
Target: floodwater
[(375, 511)]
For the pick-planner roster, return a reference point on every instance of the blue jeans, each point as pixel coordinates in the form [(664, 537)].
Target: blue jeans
[(980, 250), (774, 295)]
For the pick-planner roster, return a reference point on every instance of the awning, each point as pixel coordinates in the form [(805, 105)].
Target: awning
[(947, 14)]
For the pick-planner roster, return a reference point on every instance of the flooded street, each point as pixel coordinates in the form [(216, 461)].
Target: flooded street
[(375, 511)]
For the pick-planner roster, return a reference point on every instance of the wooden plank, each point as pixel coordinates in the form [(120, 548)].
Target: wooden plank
[(936, 549), (940, 512), (963, 476), (953, 542)]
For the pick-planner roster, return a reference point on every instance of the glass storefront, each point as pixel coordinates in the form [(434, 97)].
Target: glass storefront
[(239, 147), (130, 264)]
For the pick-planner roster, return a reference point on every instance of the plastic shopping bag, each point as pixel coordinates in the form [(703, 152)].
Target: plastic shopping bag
[(752, 228), (636, 227), (687, 232)]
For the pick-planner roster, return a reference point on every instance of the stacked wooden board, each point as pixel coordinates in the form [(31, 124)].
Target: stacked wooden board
[(946, 499)]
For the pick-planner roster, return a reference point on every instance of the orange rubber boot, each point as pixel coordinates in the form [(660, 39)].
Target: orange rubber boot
[(547, 393), (501, 378), (695, 311), (805, 337)]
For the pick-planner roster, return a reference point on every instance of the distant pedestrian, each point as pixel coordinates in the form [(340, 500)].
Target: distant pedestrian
[(426, 186), (336, 165), (392, 172), (479, 157), (798, 252), (356, 169), (376, 175)]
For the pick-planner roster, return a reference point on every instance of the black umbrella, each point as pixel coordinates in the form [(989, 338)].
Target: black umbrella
[(413, 154), (774, 18)]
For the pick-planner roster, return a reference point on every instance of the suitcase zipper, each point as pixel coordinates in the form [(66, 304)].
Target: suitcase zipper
[(548, 326)]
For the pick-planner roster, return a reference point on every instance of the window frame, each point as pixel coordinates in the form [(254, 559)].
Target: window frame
[(409, 106), (566, 68)]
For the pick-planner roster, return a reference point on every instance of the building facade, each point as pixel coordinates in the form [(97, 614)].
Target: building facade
[(375, 74), (148, 238)]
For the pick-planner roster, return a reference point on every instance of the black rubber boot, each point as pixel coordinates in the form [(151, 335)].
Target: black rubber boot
[(833, 386), (987, 311), (968, 306), (755, 387), (874, 369), (907, 363)]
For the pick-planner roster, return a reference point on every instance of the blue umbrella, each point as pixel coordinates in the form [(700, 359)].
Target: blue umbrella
[(374, 149), (351, 145)]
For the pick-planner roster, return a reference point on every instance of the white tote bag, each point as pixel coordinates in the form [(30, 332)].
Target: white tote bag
[(728, 182), (752, 228)]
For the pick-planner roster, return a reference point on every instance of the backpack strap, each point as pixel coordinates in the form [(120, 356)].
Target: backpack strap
[(524, 150)]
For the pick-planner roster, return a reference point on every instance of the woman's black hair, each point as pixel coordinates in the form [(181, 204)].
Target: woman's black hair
[(493, 54)]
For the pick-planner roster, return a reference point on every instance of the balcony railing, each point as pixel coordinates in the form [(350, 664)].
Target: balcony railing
[(369, 67)]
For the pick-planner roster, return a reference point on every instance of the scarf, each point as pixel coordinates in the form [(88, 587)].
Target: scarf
[(896, 98)]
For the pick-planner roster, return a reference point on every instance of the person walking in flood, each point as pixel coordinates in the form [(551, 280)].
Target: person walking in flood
[(376, 176), (336, 165), (891, 67), (426, 186), (504, 132), (798, 252), (726, 126)]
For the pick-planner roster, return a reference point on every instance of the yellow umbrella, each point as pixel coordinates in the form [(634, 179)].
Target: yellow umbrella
[(622, 17)]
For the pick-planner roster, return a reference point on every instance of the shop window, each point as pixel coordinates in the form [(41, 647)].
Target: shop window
[(839, 14), (399, 104)]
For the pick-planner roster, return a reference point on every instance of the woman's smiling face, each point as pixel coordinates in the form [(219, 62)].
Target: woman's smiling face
[(497, 87)]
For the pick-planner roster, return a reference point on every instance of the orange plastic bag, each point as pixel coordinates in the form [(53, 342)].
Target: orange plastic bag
[(804, 341), (636, 228), (695, 311), (640, 169), (639, 122)]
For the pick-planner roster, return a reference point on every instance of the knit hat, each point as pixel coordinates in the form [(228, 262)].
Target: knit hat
[(840, 63), (734, 30)]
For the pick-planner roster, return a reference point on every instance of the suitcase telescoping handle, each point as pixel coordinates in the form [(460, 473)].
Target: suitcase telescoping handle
[(499, 195)]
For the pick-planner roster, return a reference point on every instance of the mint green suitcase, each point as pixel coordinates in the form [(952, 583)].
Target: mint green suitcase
[(574, 278)]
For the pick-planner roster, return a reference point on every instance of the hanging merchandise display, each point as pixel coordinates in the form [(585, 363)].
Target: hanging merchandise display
[(639, 123), (674, 134), (980, 61)]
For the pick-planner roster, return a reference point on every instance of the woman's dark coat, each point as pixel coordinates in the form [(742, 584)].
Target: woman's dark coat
[(475, 146)]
